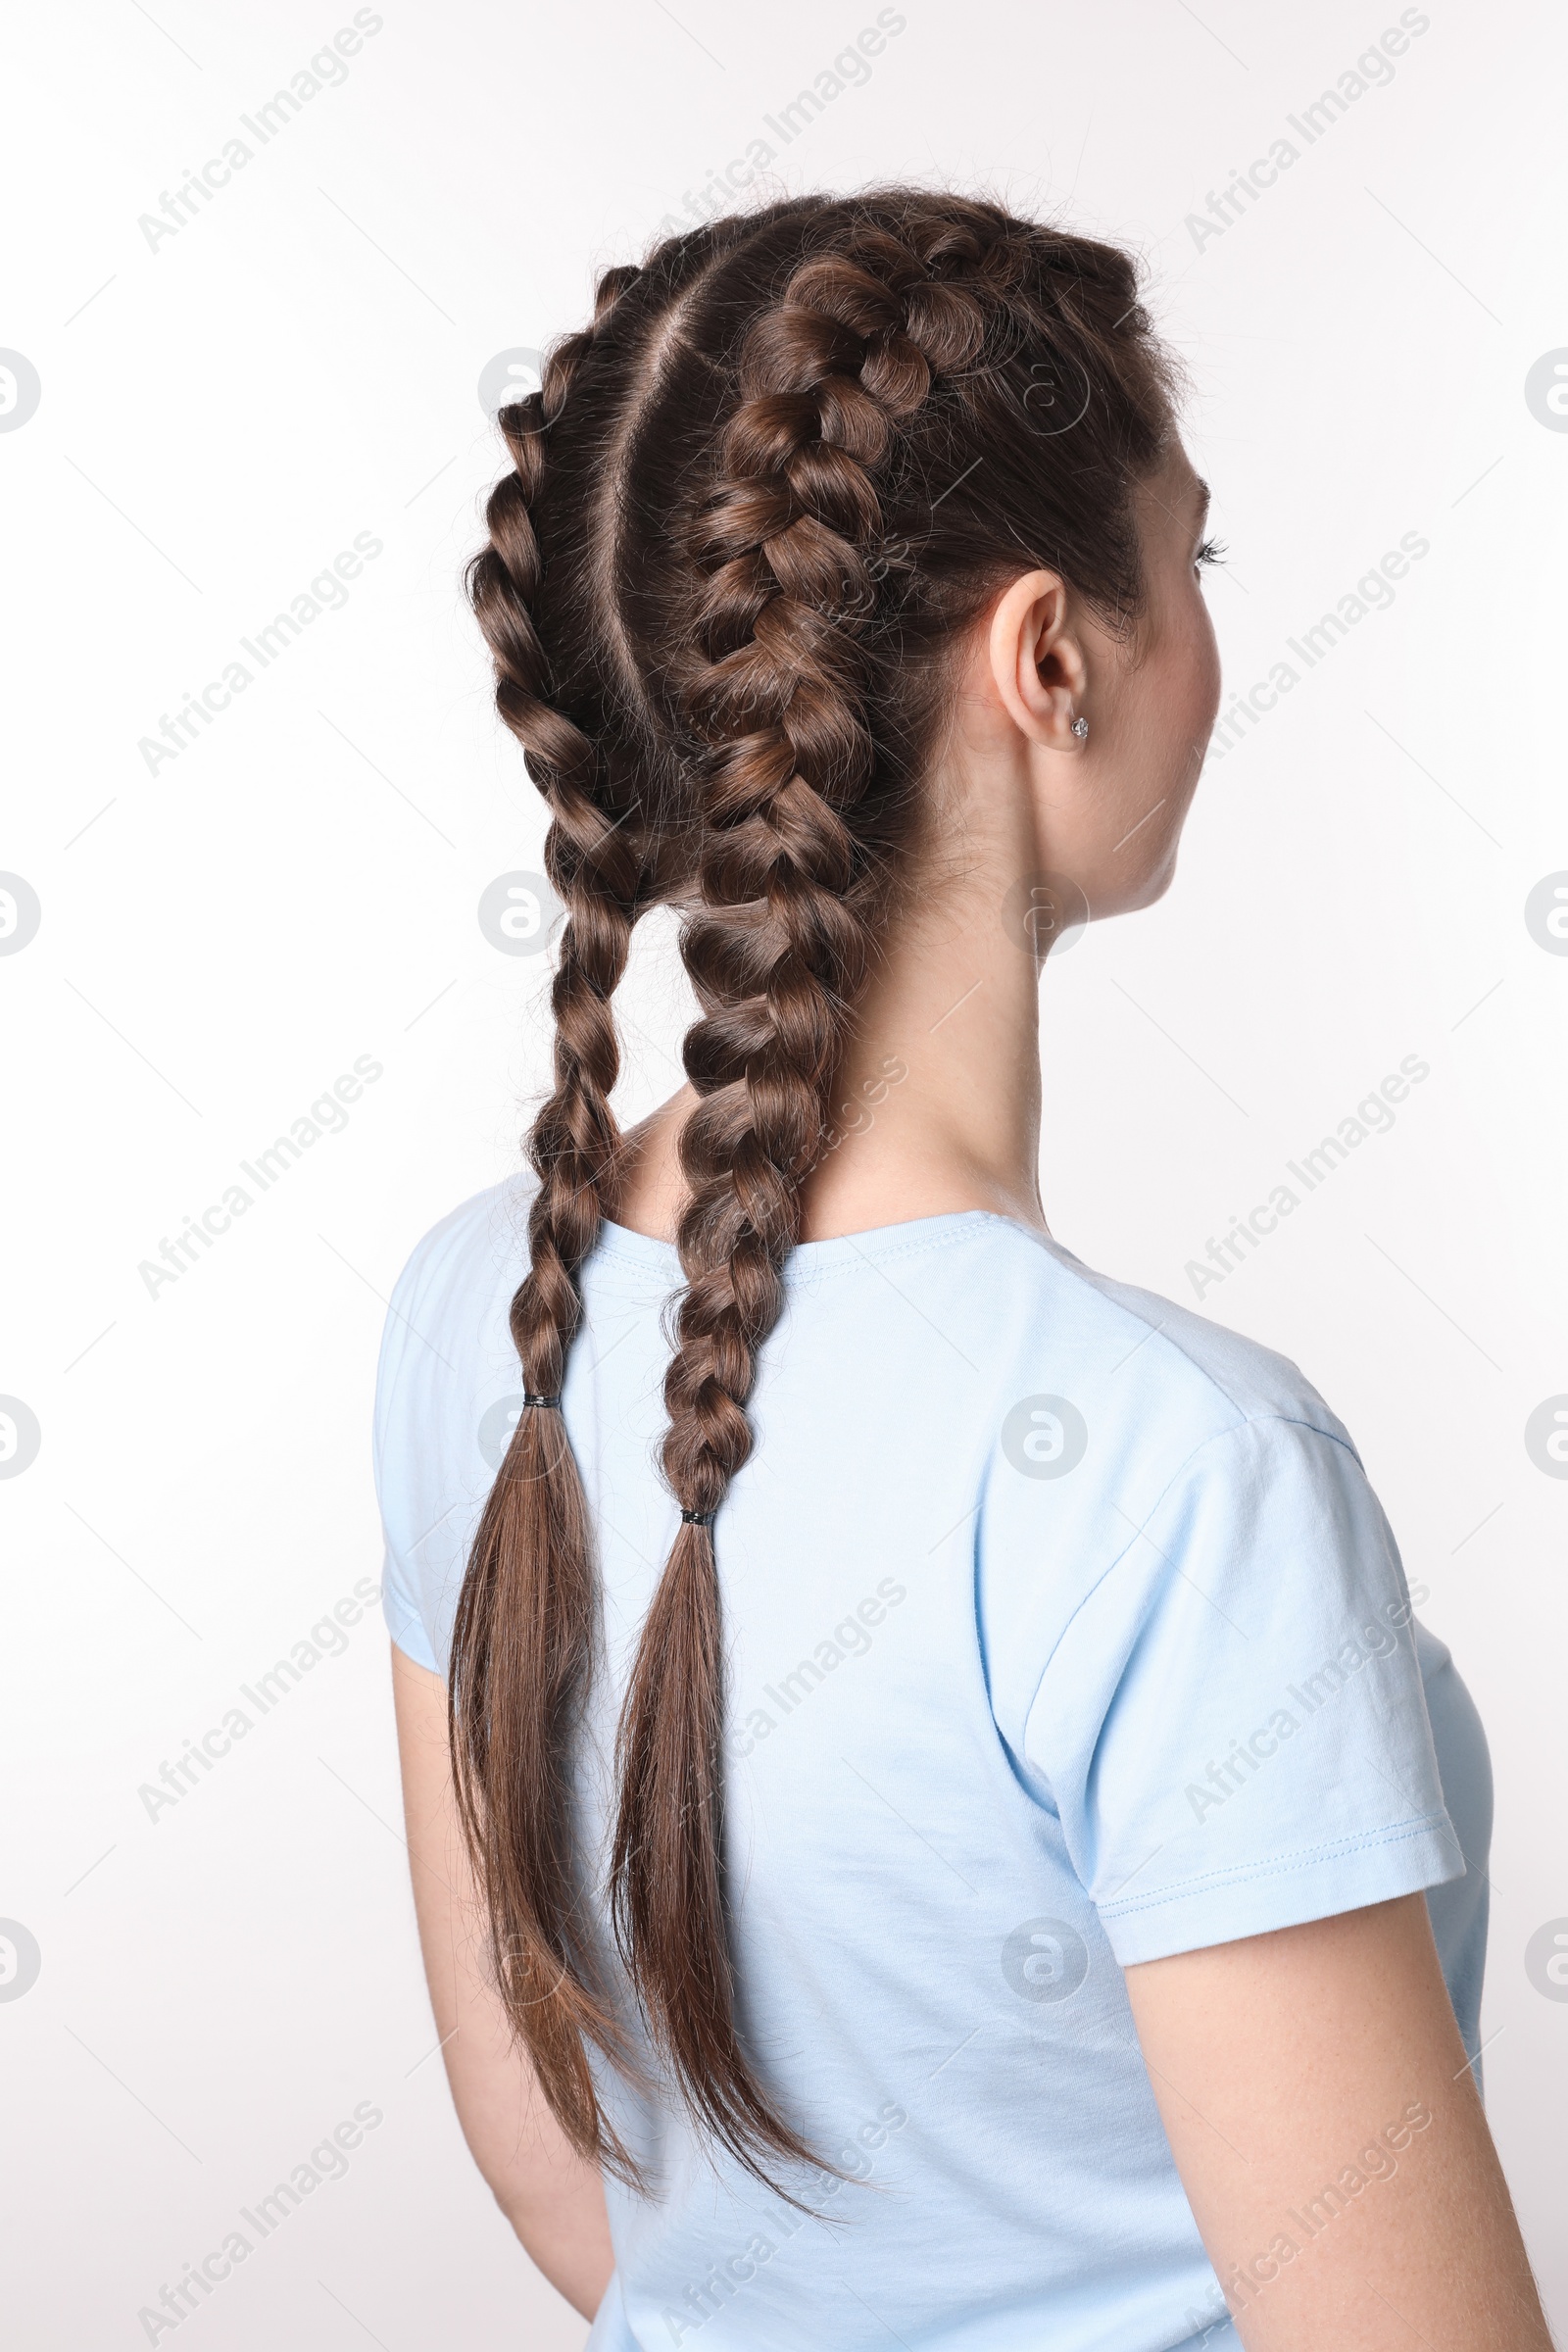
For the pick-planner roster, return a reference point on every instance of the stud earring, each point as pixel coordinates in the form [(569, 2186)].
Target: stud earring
[(1080, 728)]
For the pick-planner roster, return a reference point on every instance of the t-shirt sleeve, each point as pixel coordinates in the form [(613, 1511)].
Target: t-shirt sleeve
[(396, 1483), (1232, 1726)]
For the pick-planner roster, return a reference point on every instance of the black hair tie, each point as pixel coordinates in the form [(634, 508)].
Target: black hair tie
[(553, 1401), (699, 1518)]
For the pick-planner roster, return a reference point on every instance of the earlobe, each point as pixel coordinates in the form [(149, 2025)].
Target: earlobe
[(1036, 661)]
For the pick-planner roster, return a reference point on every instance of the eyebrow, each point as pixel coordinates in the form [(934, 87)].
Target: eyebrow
[(1202, 500)]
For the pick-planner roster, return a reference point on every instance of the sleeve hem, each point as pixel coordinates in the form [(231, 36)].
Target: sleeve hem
[(1404, 1858), (403, 1623)]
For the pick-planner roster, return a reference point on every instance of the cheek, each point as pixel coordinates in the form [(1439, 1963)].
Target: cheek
[(1200, 666), (1179, 718), (1176, 692)]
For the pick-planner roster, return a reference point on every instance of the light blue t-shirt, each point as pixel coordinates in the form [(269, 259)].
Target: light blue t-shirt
[(1064, 1632)]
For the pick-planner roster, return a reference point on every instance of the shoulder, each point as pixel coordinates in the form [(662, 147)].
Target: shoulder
[(480, 1241), (446, 1331), (1158, 1381), (446, 1354)]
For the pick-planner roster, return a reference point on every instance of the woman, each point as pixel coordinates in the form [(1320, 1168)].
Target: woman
[(930, 1840)]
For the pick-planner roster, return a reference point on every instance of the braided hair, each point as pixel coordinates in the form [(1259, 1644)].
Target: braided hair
[(754, 508)]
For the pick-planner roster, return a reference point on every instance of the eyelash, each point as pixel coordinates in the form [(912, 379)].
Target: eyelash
[(1213, 551)]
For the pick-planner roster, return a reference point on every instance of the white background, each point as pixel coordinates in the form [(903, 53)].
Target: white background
[(220, 417)]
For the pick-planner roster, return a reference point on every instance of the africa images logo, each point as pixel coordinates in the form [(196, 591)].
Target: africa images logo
[(1546, 390), (20, 1437), (511, 375), (19, 914), (19, 390), (520, 913), (1045, 1437), (20, 1960), (1546, 1436), (1546, 1959), (1045, 1960), (1545, 908)]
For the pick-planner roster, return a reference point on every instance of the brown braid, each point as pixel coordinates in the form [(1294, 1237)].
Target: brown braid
[(775, 698), (510, 1773), (789, 466)]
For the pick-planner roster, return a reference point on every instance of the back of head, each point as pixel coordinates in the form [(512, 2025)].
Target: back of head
[(754, 508)]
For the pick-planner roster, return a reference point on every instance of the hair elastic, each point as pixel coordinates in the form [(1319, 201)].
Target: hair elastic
[(554, 1402), (699, 1518)]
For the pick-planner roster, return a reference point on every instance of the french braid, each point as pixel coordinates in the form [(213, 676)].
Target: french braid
[(526, 1611), (789, 465), (781, 949)]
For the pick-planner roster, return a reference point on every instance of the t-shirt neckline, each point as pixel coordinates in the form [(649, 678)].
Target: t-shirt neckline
[(807, 1260)]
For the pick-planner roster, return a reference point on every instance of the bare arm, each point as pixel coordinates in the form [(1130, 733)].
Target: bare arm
[(1330, 2138), (553, 2199)]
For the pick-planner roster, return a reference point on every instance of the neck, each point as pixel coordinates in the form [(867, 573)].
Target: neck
[(937, 1107)]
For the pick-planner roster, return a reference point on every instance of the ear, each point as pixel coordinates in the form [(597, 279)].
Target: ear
[(1037, 662)]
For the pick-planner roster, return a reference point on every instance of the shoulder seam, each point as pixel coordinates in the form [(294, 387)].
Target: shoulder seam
[(1086, 1278)]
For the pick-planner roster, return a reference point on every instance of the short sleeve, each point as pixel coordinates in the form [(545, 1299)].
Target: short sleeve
[(402, 1620), (1232, 1726), (397, 1474)]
